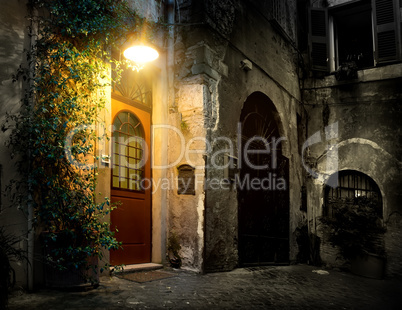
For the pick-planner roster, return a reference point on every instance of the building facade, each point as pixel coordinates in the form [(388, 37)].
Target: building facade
[(250, 109), (355, 84)]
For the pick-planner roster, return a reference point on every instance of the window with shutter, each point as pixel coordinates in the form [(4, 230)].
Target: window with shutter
[(356, 35), (386, 30), (318, 39)]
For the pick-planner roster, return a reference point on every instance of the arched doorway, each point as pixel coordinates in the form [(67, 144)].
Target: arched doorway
[(130, 188), (263, 185), (352, 222), (131, 168)]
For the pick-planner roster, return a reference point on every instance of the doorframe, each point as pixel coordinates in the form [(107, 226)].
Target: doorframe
[(159, 110), (264, 99), (137, 105)]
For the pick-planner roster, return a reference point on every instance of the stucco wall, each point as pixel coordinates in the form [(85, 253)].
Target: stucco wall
[(12, 42)]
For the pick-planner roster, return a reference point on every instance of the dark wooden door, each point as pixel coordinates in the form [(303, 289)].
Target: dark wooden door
[(130, 184), (264, 191)]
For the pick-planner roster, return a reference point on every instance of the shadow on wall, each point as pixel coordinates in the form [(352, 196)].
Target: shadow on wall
[(393, 238), (309, 246)]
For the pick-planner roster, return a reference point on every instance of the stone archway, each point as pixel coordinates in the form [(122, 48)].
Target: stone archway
[(263, 186)]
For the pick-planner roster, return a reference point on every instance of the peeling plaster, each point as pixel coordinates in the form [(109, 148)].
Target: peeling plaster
[(200, 226)]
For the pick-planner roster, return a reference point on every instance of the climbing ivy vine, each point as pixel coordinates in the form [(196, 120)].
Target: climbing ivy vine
[(54, 136)]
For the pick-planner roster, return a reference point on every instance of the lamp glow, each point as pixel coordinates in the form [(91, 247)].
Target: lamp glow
[(140, 55)]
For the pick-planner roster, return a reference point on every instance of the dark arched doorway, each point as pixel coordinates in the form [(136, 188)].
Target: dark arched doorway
[(352, 222), (263, 185)]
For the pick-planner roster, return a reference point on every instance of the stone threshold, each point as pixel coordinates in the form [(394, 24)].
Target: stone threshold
[(139, 267)]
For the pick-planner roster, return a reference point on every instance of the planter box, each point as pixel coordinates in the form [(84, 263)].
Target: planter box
[(370, 266), (72, 279), (80, 278)]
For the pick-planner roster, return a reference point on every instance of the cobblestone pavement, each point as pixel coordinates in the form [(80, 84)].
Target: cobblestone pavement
[(285, 287)]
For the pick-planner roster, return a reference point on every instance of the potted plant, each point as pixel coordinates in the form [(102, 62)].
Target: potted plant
[(9, 252), (346, 71), (73, 249), (355, 227)]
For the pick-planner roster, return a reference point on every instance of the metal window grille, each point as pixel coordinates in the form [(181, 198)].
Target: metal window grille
[(351, 185)]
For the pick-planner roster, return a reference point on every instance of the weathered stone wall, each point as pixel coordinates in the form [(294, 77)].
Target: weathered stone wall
[(368, 113), (186, 138), (211, 55), (393, 238), (13, 40), (207, 61), (187, 147), (152, 10)]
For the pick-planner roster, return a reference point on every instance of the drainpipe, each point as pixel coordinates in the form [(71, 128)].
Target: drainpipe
[(171, 107), (170, 52)]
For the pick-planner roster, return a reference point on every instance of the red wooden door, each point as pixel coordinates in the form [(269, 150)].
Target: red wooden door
[(130, 184)]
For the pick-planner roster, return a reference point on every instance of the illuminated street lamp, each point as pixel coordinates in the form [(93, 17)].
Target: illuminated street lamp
[(140, 55)]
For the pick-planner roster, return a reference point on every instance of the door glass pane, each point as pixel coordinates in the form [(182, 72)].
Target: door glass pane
[(123, 117), (132, 162), (131, 131), (127, 151), (117, 124), (115, 181), (123, 183)]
